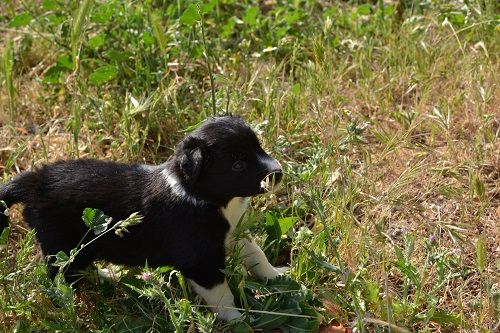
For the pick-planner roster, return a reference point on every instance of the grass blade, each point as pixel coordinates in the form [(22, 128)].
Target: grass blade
[(480, 255), (77, 27), (7, 69), (157, 28)]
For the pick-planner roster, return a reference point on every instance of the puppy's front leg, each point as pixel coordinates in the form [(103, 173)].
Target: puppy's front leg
[(219, 296), (256, 261)]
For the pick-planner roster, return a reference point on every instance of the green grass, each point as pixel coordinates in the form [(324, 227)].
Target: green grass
[(384, 116)]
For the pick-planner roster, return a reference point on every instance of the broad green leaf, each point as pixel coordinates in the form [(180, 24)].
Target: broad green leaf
[(97, 41), (62, 259), (293, 17), (50, 5), (63, 293), (103, 74), (163, 269), (228, 28), (286, 223), (56, 19), (197, 52), (117, 55), (399, 254), (456, 18), (388, 10), (250, 16), (190, 15), (409, 271), (296, 88), (445, 318), (88, 216), (147, 38), (20, 20), (273, 228), (364, 9), (95, 220), (4, 237), (207, 7), (323, 263), (103, 13), (281, 32), (65, 61), (53, 74)]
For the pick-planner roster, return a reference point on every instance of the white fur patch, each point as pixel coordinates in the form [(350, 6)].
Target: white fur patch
[(176, 187), (219, 298), (234, 210), (174, 184)]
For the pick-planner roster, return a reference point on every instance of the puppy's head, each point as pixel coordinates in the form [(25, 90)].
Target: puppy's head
[(223, 159)]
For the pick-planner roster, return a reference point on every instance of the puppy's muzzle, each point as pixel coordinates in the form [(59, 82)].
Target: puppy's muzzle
[(271, 181)]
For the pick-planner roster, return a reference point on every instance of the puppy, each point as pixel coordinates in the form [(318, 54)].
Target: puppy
[(190, 205)]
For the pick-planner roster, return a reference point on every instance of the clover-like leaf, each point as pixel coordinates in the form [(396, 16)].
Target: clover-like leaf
[(96, 220)]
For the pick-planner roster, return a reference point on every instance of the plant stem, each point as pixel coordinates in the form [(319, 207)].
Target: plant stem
[(207, 59)]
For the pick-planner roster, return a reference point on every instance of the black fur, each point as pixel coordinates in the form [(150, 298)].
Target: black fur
[(182, 221)]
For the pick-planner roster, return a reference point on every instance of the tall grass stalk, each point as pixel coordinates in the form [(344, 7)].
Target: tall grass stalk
[(7, 69), (480, 248), (76, 124), (155, 22), (77, 27), (207, 59)]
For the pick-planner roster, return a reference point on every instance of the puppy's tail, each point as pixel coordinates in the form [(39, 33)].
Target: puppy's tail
[(12, 192)]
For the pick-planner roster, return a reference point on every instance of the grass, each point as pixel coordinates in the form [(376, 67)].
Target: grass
[(384, 116)]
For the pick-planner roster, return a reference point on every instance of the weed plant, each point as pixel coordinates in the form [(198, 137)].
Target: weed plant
[(385, 116)]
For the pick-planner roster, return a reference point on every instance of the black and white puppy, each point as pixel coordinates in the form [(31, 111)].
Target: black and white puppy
[(190, 206)]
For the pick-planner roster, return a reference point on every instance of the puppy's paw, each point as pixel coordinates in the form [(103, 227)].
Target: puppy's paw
[(228, 314), (111, 274), (271, 272), (282, 270)]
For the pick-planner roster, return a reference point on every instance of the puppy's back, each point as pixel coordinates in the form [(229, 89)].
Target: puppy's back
[(66, 188)]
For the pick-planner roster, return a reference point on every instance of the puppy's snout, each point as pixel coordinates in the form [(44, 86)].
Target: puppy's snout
[(276, 176), (272, 173), (272, 180)]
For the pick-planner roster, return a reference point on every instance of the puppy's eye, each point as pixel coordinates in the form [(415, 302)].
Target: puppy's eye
[(239, 166)]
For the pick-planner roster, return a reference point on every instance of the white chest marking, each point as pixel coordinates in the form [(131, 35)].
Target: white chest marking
[(233, 213), (234, 210)]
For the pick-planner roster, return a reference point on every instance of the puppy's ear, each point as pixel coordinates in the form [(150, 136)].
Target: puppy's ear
[(191, 155)]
